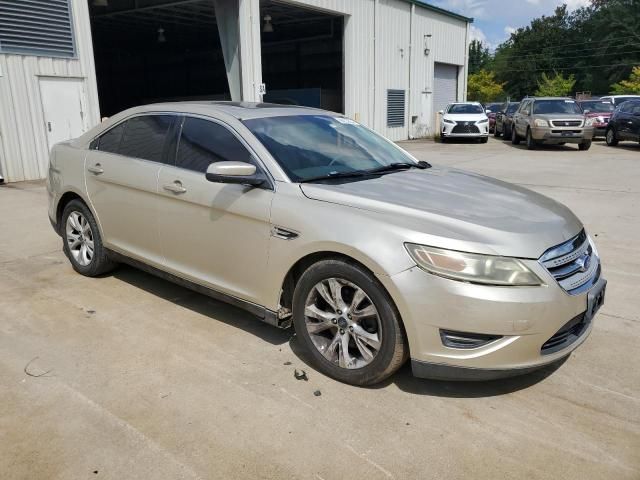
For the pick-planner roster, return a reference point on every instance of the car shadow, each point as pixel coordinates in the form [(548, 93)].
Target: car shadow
[(459, 140), (202, 304), (628, 146), (558, 148), (405, 381)]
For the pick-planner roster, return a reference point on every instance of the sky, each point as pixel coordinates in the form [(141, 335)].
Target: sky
[(494, 20)]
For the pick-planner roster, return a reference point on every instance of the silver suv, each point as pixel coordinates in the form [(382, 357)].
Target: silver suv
[(551, 120), (306, 217)]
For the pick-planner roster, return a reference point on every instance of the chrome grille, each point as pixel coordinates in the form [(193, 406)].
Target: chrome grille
[(465, 127), (566, 123), (574, 264)]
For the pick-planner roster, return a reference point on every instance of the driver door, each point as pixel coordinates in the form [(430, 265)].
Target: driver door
[(213, 234)]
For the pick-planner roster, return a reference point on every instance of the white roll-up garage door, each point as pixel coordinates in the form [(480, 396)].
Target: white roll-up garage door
[(445, 88)]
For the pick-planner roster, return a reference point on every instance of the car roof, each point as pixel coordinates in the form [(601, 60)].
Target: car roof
[(239, 110), (548, 98), (465, 103)]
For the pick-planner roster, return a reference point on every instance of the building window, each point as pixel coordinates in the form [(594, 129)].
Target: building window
[(42, 28), (395, 108)]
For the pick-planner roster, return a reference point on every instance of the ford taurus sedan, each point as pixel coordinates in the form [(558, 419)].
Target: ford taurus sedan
[(304, 216)]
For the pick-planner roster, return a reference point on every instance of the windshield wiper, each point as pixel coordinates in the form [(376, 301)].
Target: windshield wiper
[(400, 166), (332, 175)]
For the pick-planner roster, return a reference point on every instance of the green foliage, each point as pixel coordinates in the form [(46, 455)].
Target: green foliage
[(555, 86), (482, 87), (597, 44), (630, 85), (479, 57)]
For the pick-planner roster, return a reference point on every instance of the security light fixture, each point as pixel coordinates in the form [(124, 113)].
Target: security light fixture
[(268, 26), (161, 37)]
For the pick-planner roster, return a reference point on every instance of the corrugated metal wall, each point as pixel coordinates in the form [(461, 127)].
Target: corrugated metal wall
[(23, 139), (384, 48)]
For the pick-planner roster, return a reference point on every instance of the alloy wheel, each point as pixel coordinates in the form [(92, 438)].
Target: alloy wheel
[(79, 238), (343, 323)]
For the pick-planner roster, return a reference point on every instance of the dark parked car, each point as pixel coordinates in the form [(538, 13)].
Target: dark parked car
[(624, 123), (504, 119), (492, 109), (599, 112)]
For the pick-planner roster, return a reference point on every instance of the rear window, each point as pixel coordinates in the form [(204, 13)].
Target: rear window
[(144, 137), (465, 108), (556, 106), (597, 106), (512, 107)]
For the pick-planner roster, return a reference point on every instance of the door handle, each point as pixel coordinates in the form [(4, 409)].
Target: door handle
[(175, 187), (96, 169)]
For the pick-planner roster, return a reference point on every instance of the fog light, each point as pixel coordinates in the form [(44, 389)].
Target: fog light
[(466, 340)]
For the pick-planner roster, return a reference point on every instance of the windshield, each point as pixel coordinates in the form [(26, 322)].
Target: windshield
[(494, 107), (465, 108), (556, 106), (310, 146), (512, 107), (597, 106), (619, 100)]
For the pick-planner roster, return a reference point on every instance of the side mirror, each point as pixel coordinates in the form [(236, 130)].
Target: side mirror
[(586, 111), (234, 172), (441, 112), (488, 110)]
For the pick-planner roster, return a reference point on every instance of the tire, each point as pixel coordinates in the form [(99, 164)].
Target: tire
[(496, 133), (515, 140), (531, 143), (507, 133), (443, 139), (484, 139), (79, 231), (584, 146), (610, 137), (354, 368)]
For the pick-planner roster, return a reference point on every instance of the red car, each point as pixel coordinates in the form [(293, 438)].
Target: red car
[(492, 109), (600, 111)]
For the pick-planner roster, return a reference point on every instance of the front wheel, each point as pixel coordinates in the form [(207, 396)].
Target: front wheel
[(514, 137), (348, 323), (583, 146), (496, 132), (610, 137), (82, 243), (531, 143), (484, 139)]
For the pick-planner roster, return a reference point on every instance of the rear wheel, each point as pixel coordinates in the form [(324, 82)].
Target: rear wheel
[(348, 323), (82, 243), (583, 146), (610, 137), (514, 137)]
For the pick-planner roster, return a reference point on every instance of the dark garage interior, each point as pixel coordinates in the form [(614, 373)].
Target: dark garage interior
[(156, 50), (302, 56), (166, 50)]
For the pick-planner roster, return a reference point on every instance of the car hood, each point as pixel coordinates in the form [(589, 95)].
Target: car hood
[(460, 210), (560, 116), (599, 114), (465, 117)]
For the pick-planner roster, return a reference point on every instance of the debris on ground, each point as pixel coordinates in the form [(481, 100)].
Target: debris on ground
[(91, 312), (28, 372), (300, 375), (317, 393), (287, 363)]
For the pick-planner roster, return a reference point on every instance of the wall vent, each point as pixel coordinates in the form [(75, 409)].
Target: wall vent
[(36, 27), (395, 108)]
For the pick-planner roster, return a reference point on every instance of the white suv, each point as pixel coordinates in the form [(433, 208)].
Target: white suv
[(464, 120)]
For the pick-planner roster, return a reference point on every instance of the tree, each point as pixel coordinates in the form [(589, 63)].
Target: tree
[(482, 87), (556, 86), (629, 86), (479, 56)]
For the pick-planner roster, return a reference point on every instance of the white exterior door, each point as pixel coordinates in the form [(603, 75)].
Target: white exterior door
[(63, 106), (445, 85)]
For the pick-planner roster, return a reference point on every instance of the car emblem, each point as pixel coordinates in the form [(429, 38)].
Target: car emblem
[(566, 124), (584, 262)]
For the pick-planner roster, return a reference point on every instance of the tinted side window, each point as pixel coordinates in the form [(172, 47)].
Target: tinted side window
[(144, 137), (110, 141), (203, 142)]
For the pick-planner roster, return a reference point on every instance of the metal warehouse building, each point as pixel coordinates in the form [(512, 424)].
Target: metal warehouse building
[(389, 64)]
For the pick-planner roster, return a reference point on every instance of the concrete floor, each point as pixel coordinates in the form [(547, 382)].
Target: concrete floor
[(132, 377)]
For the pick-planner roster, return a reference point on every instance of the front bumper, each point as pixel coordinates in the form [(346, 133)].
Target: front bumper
[(450, 131), (524, 318), (555, 135)]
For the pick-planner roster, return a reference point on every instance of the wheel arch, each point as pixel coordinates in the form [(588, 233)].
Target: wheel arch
[(64, 200)]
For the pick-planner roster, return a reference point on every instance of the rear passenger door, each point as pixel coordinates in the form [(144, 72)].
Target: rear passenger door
[(624, 121), (634, 118), (214, 234), (121, 173)]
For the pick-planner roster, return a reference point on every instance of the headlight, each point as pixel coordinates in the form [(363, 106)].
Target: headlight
[(446, 120), (484, 120), (472, 267), (590, 121), (539, 122)]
